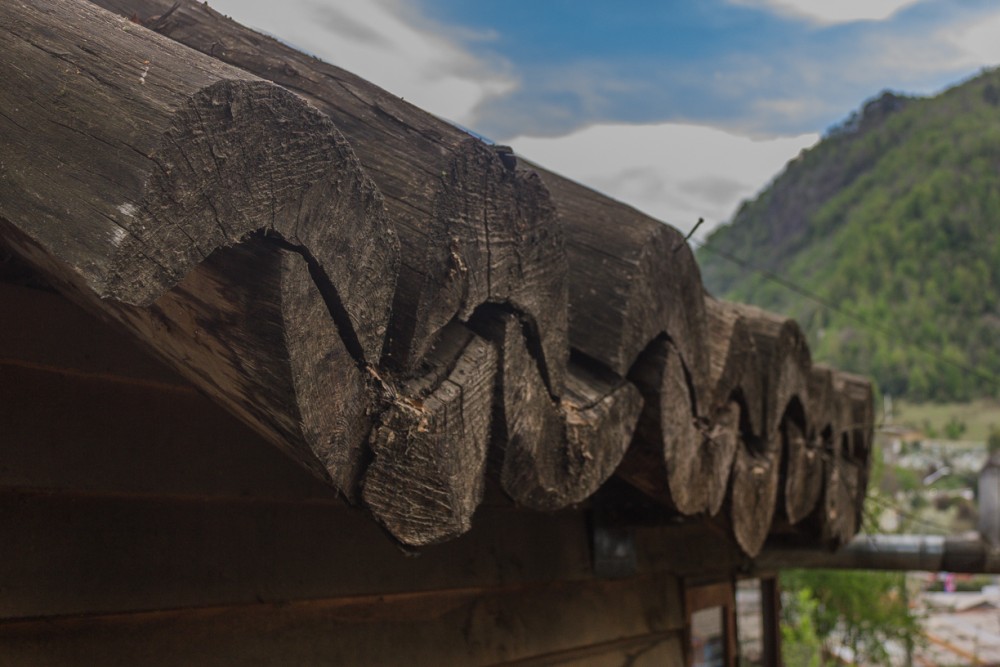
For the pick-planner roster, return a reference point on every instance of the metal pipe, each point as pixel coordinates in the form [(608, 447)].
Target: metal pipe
[(931, 553)]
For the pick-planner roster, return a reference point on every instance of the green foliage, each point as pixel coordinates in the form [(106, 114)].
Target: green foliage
[(993, 440), (800, 645), (862, 610), (898, 478), (954, 429), (892, 219)]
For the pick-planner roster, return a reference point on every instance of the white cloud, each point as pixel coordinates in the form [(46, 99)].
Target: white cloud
[(406, 54), (674, 172), (975, 41), (917, 59), (828, 12)]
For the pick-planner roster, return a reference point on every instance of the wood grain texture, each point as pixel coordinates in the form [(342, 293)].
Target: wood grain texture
[(385, 312), (679, 457), (88, 553), (823, 417), (783, 363), (238, 327), (860, 420), (554, 453), (480, 627), (429, 466), (632, 278), (474, 227), (836, 399), (169, 199), (96, 349), (86, 434), (660, 650), (196, 156)]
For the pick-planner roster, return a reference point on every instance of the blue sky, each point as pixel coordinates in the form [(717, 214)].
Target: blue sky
[(682, 109)]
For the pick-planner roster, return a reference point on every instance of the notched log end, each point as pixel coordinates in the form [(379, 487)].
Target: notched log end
[(245, 156), (427, 476)]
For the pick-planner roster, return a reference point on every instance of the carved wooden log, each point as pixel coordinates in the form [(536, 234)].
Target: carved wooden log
[(733, 372), (635, 287), (632, 278), (554, 453), (861, 423), (126, 166), (783, 365), (803, 470), (847, 482), (226, 222), (684, 449), (831, 521), (677, 457), (427, 477), (815, 463), (474, 228), (735, 411)]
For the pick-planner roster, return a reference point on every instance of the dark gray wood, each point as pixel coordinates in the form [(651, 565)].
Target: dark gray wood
[(679, 457), (808, 448), (474, 227), (783, 364), (334, 398), (197, 155), (95, 350), (803, 472), (632, 278), (167, 198), (240, 327), (834, 400), (427, 477), (861, 423), (554, 452), (449, 627), (847, 477)]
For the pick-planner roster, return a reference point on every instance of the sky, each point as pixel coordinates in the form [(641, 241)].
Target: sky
[(680, 108)]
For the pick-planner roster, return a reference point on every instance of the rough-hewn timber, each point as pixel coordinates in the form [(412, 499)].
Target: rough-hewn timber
[(632, 278), (229, 225), (474, 227), (783, 364), (554, 452), (126, 211), (427, 477)]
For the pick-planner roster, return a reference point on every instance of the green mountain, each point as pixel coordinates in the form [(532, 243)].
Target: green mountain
[(883, 241)]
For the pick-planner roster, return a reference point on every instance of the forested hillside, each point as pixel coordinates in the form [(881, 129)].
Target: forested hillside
[(893, 221)]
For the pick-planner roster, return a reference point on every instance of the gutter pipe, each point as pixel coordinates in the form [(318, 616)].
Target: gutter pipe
[(931, 553)]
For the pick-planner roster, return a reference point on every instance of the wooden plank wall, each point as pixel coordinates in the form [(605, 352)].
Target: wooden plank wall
[(140, 524)]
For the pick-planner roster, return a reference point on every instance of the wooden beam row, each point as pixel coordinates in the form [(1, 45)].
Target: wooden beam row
[(396, 305)]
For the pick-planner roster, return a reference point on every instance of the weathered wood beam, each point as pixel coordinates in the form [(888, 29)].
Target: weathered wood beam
[(678, 457), (132, 169), (808, 463), (632, 279), (428, 474), (847, 478), (554, 452), (474, 227), (836, 517), (783, 363), (861, 422), (228, 223)]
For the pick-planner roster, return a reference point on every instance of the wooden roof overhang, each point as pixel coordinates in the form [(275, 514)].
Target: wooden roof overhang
[(403, 310)]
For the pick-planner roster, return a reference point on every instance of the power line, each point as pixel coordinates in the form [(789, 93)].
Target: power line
[(885, 331)]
